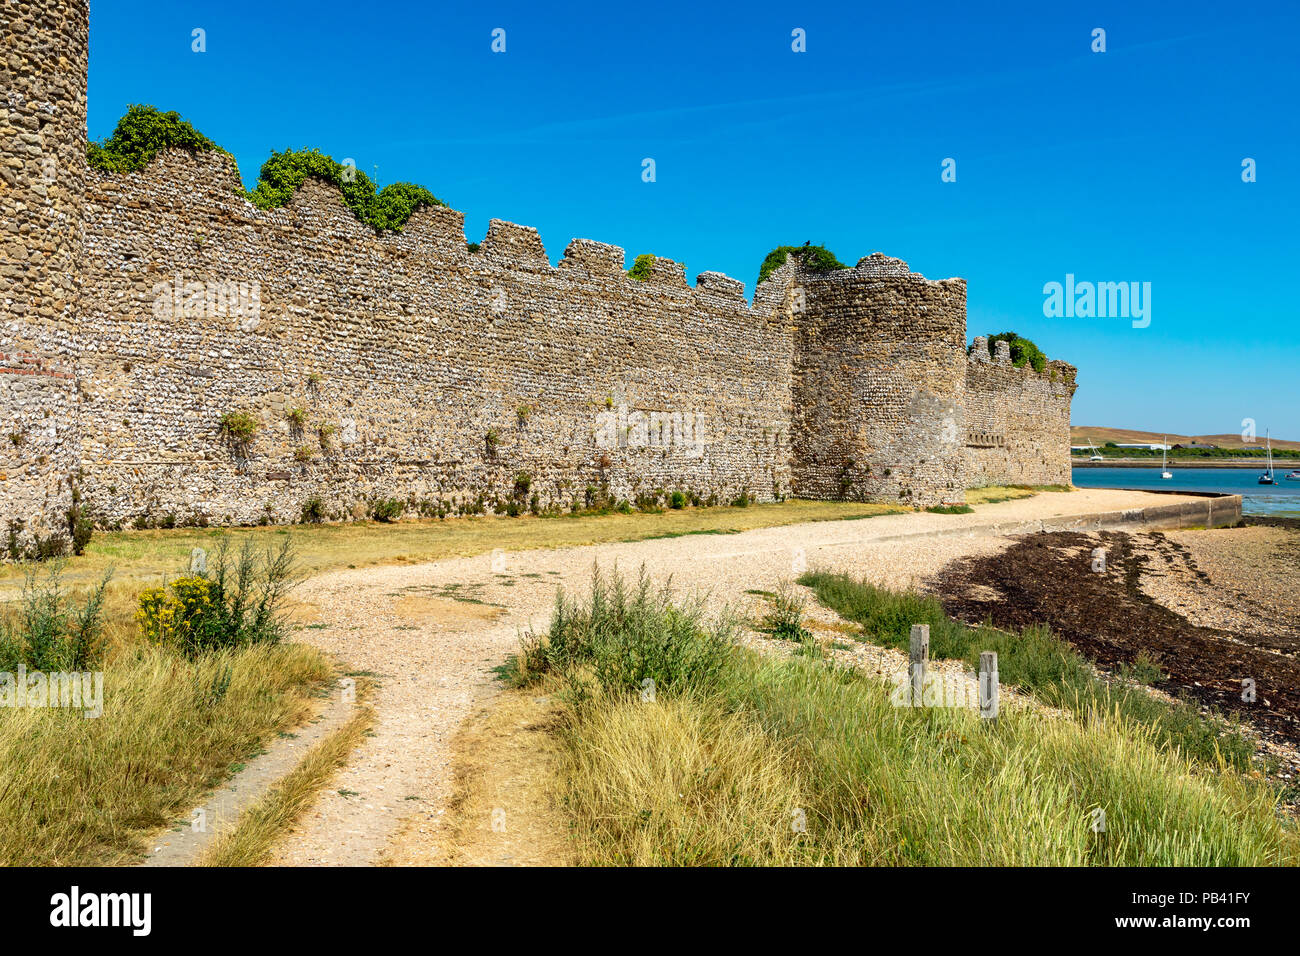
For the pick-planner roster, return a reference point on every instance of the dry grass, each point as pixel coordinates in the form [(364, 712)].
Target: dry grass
[(141, 557), (992, 494), (261, 825), (722, 779), (995, 493), (90, 791), (505, 759), (680, 782)]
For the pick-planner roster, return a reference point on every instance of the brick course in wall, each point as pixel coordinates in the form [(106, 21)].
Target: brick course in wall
[(142, 308)]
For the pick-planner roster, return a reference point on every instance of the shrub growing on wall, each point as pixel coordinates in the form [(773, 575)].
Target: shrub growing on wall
[(139, 136), (816, 258), (1022, 350), (389, 209), (642, 267), (240, 426), (145, 130)]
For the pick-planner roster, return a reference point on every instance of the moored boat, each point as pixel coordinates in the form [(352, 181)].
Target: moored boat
[(1267, 478)]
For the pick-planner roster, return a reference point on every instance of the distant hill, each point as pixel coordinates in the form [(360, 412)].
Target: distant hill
[(1099, 435)]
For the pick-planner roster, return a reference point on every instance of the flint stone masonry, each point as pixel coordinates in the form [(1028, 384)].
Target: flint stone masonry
[(43, 55), (880, 375), (142, 308), (1017, 419)]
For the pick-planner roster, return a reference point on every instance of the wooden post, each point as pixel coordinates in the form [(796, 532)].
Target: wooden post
[(989, 685), (919, 656)]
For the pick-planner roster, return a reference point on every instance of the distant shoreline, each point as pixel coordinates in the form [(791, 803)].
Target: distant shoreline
[(1284, 465)]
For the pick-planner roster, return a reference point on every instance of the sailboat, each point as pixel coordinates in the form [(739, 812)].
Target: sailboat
[(1267, 478), (1164, 458), (1096, 455)]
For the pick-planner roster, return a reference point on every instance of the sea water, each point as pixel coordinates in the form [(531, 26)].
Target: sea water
[(1280, 499)]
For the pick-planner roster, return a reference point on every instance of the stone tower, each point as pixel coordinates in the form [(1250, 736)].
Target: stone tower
[(879, 382), (43, 58)]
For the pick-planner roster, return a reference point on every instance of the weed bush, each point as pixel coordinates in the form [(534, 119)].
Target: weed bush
[(784, 620), (950, 509), (623, 636), (49, 632), (313, 510), (387, 509), (237, 603), (239, 426), (642, 268)]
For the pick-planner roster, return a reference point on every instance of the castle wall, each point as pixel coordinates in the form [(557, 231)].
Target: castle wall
[(1017, 419), (139, 311), (879, 382), (411, 350), (43, 55)]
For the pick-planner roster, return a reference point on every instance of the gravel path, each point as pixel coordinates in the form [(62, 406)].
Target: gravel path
[(432, 634)]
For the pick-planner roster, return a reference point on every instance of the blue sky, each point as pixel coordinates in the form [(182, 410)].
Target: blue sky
[(1115, 166)]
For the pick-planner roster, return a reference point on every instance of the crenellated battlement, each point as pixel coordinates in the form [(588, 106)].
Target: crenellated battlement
[(437, 232)]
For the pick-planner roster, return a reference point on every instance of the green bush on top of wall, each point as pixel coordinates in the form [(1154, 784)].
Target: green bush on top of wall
[(140, 135), (642, 268), (816, 258), (390, 208), (1022, 350), (145, 130)]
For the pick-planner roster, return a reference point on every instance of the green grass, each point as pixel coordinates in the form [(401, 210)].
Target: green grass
[(803, 762), (144, 557), (1034, 661), (950, 509)]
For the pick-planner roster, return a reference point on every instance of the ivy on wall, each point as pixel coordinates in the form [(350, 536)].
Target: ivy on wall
[(387, 209), (145, 131), (1023, 351), (816, 258), (140, 135)]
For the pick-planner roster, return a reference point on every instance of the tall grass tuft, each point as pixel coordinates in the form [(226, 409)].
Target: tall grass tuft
[(90, 791), (784, 620), (624, 636)]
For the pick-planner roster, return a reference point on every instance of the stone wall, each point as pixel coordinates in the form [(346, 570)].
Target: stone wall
[(439, 374), (43, 55), (879, 379), (1017, 419)]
